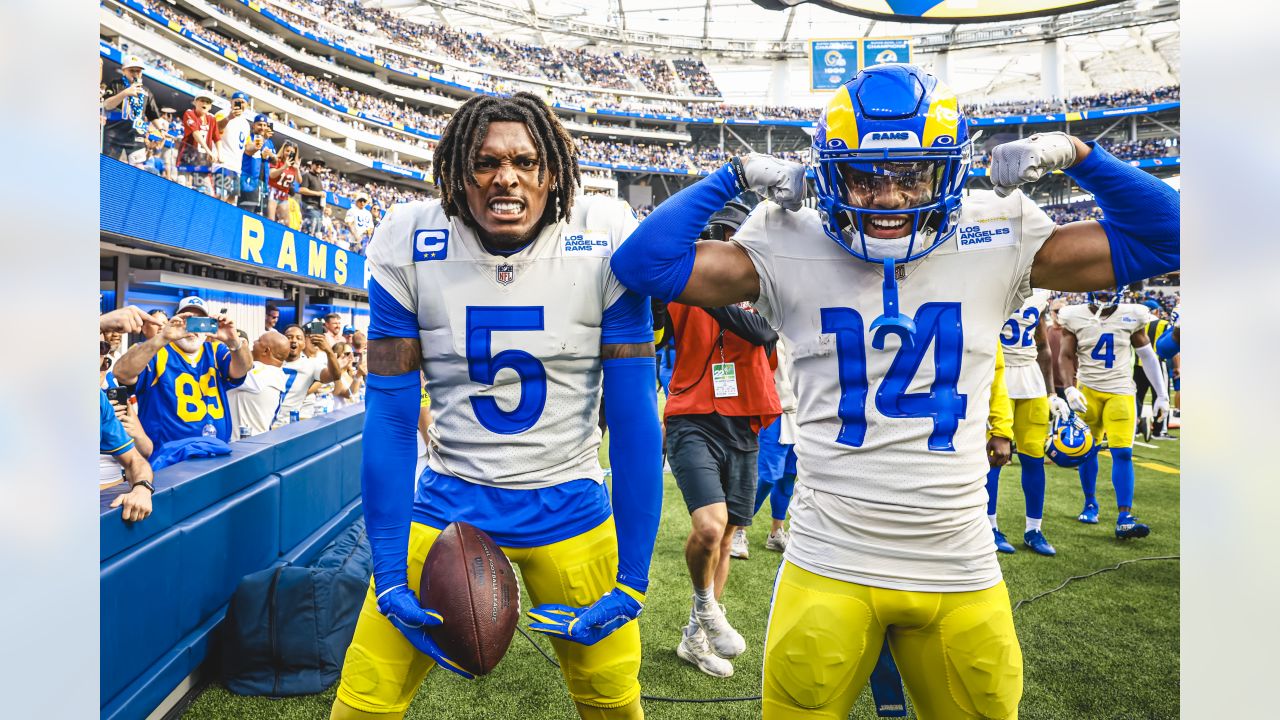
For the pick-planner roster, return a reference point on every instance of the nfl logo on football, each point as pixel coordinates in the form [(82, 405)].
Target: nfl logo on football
[(505, 274)]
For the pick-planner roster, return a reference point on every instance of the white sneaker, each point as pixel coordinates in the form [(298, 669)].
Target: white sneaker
[(739, 547), (724, 640), (695, 650), (777, 541)]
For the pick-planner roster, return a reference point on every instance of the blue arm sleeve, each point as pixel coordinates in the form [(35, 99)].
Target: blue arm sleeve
[(1140, 214), (112, 439), (628, 320), (387, 317), (386, 473), (657, 258), (635, 453)]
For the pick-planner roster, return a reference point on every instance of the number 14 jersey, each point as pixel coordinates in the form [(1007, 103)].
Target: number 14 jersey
[(887, 438)]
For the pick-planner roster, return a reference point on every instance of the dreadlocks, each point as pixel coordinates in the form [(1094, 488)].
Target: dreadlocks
[(454, 164)]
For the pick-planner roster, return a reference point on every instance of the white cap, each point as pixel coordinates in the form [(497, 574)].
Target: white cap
[(131, 61), (193, 303)]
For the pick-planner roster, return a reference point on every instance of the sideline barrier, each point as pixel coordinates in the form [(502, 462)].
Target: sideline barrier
[(165, 581)]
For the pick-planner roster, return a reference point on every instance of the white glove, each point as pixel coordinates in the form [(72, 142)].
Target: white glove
[(1029, 159), (1075, 400), (1160, 407), (782, 181), (1058, 409)]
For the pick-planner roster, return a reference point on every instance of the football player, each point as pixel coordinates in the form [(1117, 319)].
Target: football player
[(887, 293), (1101, 338), (1155, 328), (1029, 378), (500, 292)]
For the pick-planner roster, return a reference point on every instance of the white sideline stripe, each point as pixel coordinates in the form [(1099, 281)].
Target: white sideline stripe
[(1139, 442)]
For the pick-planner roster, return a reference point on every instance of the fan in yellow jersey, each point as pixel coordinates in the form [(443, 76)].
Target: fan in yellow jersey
[(1028, 376), (1101, 337), (887, 292)]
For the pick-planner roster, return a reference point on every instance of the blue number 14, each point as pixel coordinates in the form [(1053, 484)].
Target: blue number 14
[(937, 324)]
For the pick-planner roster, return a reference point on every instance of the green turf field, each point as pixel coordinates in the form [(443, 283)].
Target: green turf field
[(1102, 647)]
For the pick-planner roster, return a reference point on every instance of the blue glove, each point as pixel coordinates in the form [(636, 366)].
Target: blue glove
[(587, 625), (401, 607)]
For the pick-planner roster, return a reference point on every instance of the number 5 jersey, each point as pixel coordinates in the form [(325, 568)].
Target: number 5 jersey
[(891, 443)]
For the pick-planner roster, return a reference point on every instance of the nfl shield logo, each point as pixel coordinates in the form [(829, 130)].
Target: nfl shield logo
[(505, 274)]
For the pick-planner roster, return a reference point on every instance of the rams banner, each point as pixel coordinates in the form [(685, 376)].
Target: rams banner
[(885, 50), (137, 204), (947, 11), (834, 62)]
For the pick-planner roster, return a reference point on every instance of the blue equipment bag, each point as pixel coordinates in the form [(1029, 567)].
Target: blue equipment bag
[(287, 628)]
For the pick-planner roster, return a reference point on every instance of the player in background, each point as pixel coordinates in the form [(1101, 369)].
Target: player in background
[(999, 444), (1156, 327), (887, 294), (1028, 375), (1099, 341), (500, 292)]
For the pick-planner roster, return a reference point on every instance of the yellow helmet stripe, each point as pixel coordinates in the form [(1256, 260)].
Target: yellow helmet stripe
[(842, 124), (943, 118)]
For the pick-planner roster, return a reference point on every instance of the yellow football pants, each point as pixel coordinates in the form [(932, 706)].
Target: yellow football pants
[(1110, 413), (1031, 425), (957, 652), (382, 670)]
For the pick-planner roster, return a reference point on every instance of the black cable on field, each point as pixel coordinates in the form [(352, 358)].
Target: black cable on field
[(1099, 571), (657, 698)]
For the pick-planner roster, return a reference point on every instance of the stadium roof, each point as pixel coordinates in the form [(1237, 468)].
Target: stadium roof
[(1132, 44)]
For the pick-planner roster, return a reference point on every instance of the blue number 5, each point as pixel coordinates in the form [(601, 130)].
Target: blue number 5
[(937, 324), (483, 367)]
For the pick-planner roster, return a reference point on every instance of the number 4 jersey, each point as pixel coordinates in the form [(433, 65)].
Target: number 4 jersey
[(1103, 351), (891, 443), (511, 345)]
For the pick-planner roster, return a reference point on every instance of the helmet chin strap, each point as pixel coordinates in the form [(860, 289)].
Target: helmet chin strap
[(891, 321)]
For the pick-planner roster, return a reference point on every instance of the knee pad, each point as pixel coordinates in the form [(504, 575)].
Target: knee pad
[(609, 684), (815, 656), (984, 659)]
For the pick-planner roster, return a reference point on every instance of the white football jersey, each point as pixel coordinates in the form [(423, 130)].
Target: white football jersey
[(899, 428), (360, 221), (1023, 375), (1104, 355), (510, 345)]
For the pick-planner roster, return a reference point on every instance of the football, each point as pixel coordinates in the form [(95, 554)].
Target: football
[(468, 580)]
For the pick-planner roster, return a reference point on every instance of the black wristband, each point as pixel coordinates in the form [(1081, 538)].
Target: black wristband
[(739, 173), (143, 483)]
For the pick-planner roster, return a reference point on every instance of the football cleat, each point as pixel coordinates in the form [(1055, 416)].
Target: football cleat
[(1035, 540), (695, 649), (1002, 544), (1144, 429), (1089, 514), (1128, 527), (777, 541), (738, 547)]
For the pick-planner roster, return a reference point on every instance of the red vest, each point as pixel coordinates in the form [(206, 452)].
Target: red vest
[(700, 343)]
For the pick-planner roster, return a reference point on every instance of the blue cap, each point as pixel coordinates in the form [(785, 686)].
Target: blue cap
[(262, 117), (348, 330), (239, 96), (193, 303), (1151, 304)]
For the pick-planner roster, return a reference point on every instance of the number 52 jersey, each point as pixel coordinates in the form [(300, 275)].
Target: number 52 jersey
[(895, 435), (511, 345)]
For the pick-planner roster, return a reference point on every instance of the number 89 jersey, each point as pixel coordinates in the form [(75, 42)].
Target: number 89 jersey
[(1104, 353), (510, 345), (895, 425)]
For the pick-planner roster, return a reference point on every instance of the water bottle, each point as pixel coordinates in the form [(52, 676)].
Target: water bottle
[(294, 416), (244, 431), (209, 430)]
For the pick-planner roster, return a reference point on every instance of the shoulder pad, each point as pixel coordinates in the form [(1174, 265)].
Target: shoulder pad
[(397, 239)]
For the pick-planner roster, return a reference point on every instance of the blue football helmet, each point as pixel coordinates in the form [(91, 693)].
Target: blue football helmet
[(1070, 443), (1103, 298), (891, 154)]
